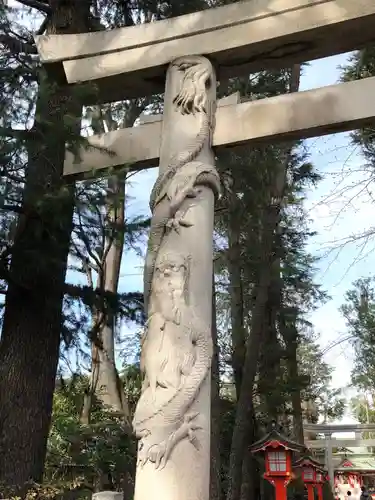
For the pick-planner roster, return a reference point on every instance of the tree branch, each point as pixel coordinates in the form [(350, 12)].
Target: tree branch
[(35, 4), (42, 28), (12, 208), (17, 46), (22, 135)]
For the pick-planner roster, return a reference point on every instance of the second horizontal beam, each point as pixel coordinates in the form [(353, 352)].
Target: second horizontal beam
[(327, 110)]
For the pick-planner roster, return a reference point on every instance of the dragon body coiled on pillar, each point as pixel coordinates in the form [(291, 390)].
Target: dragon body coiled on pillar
[(177, 345), (184, 173)]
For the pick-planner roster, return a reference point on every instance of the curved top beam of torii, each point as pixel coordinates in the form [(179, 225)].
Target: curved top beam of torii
[(239, 38)]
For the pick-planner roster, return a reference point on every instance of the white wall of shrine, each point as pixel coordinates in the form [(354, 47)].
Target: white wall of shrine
[(345, 482)]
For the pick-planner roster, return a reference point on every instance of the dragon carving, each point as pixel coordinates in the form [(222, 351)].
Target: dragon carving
[(184, 174), (176, 357), (177, 346)]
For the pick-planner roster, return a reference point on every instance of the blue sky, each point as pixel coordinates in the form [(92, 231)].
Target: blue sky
[(331, 216), (337, 209)]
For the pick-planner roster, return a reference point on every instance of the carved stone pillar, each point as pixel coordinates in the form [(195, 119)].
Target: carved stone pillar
[(172, 419)]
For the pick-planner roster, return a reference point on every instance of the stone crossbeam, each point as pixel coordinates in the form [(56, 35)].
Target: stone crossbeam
[(331, 109), (134, 145), (239, 38), (331, 428), (340, 443)]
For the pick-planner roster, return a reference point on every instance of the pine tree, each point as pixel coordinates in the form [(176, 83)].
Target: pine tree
[(37, 221), (359, 313), (35, 275), (265, 284)]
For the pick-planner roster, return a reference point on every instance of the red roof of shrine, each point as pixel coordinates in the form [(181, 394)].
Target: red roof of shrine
[(346, 463), (307, 461), (275, 440)]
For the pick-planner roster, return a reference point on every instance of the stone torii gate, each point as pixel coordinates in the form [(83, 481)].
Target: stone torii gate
[(185, 55), (329, 442)]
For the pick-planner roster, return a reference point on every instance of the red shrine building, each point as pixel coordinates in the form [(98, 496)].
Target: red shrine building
[(351, 472)]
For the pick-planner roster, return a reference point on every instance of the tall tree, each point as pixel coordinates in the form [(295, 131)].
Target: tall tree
[(29, 346), (34, 264), (359, 313), (101, 255), (269, 223)]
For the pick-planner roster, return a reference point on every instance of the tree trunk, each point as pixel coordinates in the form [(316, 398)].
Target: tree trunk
[(29, 347), (243, 424), (296, 396), (290, 336), (250, 487), (269, 362), (105, 380), (236, 295), (215, 469), (242, 431), (271, 352), (106, 383)]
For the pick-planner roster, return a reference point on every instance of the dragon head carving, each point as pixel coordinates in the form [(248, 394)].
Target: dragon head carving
[(192, 97)]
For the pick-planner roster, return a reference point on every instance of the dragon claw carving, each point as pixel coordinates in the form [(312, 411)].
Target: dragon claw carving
[(174, 224), (158, 453), (179, 220)]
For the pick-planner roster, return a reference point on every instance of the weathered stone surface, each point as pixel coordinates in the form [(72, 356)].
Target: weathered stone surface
[(341, 443), (172, 418), (240, 38), (138, 144), (335, 108), (225, 101), (108, 495)]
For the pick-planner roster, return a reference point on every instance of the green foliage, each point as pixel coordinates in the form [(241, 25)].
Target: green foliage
[(362, 407), (254, 171), (315, 379), (362, 65), (359, 313), (86, 453), (24, 83), (267, 181), (34, 126)]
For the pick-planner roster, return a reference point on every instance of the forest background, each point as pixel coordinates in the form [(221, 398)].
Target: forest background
[(286, 276)]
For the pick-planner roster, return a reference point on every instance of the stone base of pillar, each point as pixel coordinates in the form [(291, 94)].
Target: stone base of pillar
[(108, 495)]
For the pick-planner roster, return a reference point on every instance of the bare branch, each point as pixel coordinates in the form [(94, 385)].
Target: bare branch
[(42, 28), (86, 241), (35, 4), (17, 134), (85, 260), (88, 269), (17, 46), (13, 208)]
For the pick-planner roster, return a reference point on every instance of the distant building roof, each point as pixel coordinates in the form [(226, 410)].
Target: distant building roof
[(346, 460), (356, 463)]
